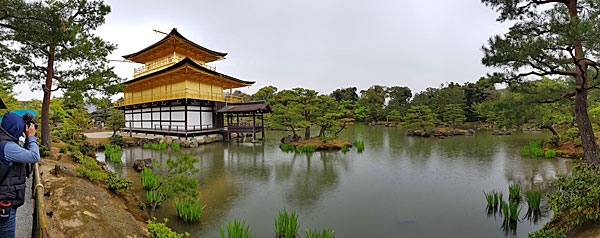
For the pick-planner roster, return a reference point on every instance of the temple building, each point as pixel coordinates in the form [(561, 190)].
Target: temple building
[(177, 93)]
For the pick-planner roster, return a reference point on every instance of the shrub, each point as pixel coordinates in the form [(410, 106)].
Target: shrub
[(286, 225), (72, 142), (326, 233), (554, 141), (549, 233), (115, 182), (236, 229), (63, 149), (550, 154), (89, 162), (77, 156), (91, 174), (160, 230), (577, 141), (572, 132), (117, 140), (525, 151), (189, 209), (577, 196), (175, 147), (44, 151)]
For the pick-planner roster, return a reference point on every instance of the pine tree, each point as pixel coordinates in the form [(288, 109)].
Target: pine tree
[(453, 114), (419, 118)]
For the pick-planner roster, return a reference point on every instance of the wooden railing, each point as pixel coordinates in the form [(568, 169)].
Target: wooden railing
[(179, 94), (155, 65), (40, 221)]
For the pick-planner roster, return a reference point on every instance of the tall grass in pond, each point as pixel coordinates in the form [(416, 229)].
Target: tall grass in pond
[(550, 154), (146, 145), (149, 179), (152, 195), (534, 199), (511, 210), (236, 229), (538, 152), (305, 148), (287, 147), (175, 147), (161, 146), (514, 192), (112, 153), (286, 225), (345, 148), (360, 145), (325, 233), (525, 151), (189, 209)]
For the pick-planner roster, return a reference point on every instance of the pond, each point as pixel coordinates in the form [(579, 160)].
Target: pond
[(398, 187)]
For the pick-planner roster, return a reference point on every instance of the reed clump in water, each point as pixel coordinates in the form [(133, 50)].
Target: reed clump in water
[(112, 153), (236, 229), (286, 225), (149, 179), (189, 209), (360, 145), (325, 233), (514, 191), (175, 147)]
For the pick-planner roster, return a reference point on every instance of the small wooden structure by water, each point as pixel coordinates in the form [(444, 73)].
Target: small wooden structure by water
[(249, 110), (177, 93)]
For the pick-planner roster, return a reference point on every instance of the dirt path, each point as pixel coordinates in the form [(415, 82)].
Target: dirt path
[(81, 208)]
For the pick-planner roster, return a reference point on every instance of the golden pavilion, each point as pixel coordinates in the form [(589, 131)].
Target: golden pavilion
[(176, 92)]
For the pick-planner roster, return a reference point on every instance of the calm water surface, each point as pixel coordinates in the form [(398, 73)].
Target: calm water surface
[(398, 187)]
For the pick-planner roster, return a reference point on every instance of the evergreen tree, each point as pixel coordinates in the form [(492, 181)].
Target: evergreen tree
[(550, 38), (419, 118), (116, 120), (49, 34), (454, 115)]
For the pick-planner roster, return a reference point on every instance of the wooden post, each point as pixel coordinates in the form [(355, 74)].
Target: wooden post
[(186, 117), (262, 122), (254, 127)]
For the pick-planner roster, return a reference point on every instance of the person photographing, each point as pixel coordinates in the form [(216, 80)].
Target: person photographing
[(13, 172)]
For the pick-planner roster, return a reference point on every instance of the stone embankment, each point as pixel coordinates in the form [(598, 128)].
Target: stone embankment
[(440, 132)]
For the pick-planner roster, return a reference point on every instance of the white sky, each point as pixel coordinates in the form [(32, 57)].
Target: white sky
[(316, 44)]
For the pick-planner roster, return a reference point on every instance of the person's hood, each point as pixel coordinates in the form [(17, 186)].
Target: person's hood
[(13, 124)]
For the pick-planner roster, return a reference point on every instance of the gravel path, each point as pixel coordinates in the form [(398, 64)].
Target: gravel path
[(25, 214)]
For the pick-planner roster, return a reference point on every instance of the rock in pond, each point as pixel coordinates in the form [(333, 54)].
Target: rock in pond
[(141, 164)]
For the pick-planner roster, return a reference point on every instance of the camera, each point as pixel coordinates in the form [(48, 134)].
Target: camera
[(28, 119)]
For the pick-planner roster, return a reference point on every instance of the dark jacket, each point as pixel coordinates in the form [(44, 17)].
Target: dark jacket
[(12, 178)]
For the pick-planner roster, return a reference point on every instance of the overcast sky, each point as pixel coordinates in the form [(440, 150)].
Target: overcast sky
[(316, 44)]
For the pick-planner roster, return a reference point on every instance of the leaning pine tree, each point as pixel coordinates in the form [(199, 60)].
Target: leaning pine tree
[(55, 48), (551, 38)]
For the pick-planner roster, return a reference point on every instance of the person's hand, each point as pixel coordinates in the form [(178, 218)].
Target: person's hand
[(30, 130)]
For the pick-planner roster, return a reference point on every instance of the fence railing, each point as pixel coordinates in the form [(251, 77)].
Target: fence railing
[(158, 64), (40, 219), (178, 94)]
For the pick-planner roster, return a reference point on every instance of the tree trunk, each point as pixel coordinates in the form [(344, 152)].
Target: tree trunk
[(307, 132), (591, 152), (322, 131), (551, 129), (47, 88)]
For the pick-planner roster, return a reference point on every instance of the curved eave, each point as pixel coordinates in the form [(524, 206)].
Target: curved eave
[(175, 33), (193, 64)]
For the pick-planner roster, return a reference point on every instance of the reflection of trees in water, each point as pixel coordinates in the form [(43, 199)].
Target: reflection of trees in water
[(311, 175)]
